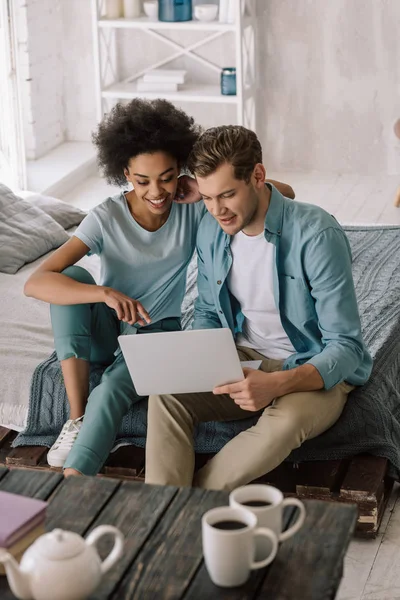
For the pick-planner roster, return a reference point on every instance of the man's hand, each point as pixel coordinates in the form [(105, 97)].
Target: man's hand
[(187, 191), (253, 393)]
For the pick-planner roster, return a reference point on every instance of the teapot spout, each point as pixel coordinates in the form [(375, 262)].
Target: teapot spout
[(18, 580)]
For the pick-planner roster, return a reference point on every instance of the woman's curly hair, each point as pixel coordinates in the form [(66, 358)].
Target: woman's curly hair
[(142, 126)]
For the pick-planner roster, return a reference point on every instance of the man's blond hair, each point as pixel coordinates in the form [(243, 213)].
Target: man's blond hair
[(231, 144)]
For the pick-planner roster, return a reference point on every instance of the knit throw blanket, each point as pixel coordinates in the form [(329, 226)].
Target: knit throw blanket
[(370, 421)]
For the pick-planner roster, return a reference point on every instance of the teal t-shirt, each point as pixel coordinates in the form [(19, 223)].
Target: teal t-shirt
[(147, 266)]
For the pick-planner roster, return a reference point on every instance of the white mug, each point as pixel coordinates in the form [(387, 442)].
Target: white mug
[(229, 550), (269, 514)]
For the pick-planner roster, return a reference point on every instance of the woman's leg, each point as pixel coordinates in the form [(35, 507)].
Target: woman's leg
[(83, 333), (107, 405)]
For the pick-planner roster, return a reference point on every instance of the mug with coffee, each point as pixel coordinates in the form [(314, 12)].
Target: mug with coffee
[(229, 536), (267, 504)]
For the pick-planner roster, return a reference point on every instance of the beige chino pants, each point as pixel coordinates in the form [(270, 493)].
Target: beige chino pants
[(281, 427)]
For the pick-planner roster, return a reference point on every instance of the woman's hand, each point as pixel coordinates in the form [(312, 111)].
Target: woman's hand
[(187, 191), (128, 310)]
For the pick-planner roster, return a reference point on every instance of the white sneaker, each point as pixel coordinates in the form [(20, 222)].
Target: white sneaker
[(57, 455)]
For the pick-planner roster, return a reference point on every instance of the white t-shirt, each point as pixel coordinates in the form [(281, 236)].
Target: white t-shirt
[(250, 280)]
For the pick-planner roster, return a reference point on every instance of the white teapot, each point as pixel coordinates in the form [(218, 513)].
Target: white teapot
[(61, 565)]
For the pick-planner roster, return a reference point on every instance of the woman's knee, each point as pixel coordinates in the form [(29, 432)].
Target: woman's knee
[(79, 274)]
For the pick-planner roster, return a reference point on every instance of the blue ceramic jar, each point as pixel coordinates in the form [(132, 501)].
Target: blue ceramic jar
[(174, 10), (228, 81)]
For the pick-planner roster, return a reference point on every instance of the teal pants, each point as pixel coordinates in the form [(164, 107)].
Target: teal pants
[(89, 332)]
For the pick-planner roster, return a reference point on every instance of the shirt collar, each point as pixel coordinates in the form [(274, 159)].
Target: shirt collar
[(274, 216)]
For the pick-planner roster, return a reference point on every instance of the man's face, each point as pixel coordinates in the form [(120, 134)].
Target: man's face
[(232, 202)]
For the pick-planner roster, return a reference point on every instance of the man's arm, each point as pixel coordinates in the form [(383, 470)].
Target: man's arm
[(328, 265), (284, 188), (205, 313)]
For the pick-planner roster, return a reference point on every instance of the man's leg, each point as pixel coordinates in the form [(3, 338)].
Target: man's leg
[(171, 421), (283, 426)]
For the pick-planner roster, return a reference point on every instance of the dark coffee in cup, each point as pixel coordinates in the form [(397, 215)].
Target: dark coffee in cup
[(229, 525), (257, 503)]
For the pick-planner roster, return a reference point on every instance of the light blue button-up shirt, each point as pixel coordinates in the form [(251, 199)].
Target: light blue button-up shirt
[(313, 289)]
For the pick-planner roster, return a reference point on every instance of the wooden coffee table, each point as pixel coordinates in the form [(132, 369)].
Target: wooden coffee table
[(162, 526)]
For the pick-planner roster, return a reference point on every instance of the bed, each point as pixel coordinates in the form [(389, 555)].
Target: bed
[(25, 341)]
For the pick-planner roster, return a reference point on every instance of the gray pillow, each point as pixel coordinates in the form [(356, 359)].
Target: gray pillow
[(65, 214), (26, 232)]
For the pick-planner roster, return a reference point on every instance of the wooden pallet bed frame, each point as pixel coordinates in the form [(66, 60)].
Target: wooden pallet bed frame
[(361, 480)]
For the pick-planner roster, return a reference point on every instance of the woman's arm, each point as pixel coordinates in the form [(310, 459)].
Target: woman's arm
[(285, 189), (48, 284)]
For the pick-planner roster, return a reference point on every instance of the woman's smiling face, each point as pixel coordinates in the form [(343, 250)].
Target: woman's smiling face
[(154, 178)]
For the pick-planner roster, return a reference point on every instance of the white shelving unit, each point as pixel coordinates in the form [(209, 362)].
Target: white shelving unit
[(109, 88)]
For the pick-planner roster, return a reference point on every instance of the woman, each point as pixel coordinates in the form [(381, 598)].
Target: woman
[(145, 241)]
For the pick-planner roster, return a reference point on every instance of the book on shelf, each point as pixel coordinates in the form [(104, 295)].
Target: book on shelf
[(165, 76), (156, 86)]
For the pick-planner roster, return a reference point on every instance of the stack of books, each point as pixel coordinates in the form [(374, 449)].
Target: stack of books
[(161, 80), (21, 522)]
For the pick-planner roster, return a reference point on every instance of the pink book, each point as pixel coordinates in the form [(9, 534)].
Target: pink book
[(18, 515)]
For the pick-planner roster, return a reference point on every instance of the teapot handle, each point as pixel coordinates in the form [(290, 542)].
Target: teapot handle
[(117, 549)]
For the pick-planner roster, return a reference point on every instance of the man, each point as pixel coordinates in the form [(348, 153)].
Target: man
[(278, 274)]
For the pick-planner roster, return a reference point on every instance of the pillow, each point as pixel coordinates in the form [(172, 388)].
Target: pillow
[(65, 214), (26, 232)]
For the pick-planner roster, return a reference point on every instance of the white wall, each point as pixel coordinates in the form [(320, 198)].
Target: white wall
[(40, 51), (330, 82), (328, 75), (78, 70)]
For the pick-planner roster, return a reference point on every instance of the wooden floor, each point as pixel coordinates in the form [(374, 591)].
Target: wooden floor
[(372, 567)]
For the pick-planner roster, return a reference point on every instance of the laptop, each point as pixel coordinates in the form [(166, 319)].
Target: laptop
[(180, 362)]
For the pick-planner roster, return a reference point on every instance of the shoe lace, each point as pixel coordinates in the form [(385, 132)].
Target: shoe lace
[(68, 434)]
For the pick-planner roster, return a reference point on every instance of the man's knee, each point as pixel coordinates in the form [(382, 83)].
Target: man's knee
[(171, 406)]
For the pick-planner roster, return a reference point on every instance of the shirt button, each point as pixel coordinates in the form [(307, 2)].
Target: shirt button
[(221, 312), (219, 282)]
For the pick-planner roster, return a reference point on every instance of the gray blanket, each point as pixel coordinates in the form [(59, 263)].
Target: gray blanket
[(371, 419)]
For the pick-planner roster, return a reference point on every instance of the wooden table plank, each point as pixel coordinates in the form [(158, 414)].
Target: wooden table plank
[(3, 472), (78, 501), (30, 483), (176, 541), (202, 586), (135, 509), (309, 565)]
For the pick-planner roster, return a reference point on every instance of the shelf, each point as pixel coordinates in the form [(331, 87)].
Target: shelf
[(146, 23), (188, 93)]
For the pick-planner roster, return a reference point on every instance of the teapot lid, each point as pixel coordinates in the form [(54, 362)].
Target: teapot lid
[(60, 544)]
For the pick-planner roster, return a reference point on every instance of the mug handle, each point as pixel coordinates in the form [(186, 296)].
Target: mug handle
[(300, 520), (117, 549), (263, 531)]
